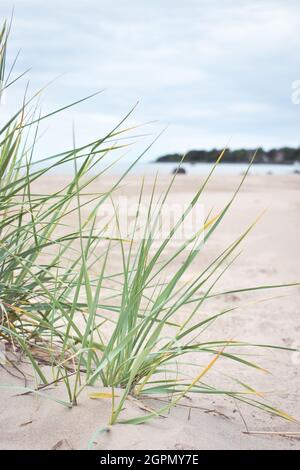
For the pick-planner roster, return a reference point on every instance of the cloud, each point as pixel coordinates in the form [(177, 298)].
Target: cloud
[(210, 69)]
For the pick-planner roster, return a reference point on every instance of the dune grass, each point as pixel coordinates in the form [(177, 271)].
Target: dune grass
[(59, 307)]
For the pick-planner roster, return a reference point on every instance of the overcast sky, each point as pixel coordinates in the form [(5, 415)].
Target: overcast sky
[(209, 70)]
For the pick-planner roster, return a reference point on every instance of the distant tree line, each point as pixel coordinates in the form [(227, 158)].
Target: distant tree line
[(284, 155)]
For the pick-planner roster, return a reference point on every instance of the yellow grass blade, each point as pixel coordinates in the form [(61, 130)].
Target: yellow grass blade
[(100, 395)]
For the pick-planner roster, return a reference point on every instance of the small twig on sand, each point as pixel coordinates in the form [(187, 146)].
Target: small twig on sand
[(242, 417), (143, 407), (61, 443), (43, 386), (14, 375), (275, 433), (195, 407)]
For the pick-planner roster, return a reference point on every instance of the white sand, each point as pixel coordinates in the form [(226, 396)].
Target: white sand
[(270, 255)]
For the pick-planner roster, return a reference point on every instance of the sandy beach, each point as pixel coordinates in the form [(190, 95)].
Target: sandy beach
[(270, 255)]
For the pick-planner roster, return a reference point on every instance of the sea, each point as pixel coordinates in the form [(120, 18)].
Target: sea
[(151, 168)]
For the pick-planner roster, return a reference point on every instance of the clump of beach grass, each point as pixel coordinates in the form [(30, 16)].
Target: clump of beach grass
[(35, 297), (61, 306)]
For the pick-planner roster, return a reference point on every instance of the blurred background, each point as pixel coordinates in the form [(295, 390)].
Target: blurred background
[(209, 71)]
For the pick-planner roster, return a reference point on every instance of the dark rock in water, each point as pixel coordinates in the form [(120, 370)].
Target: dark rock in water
[(296, 172), (179, 171)]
